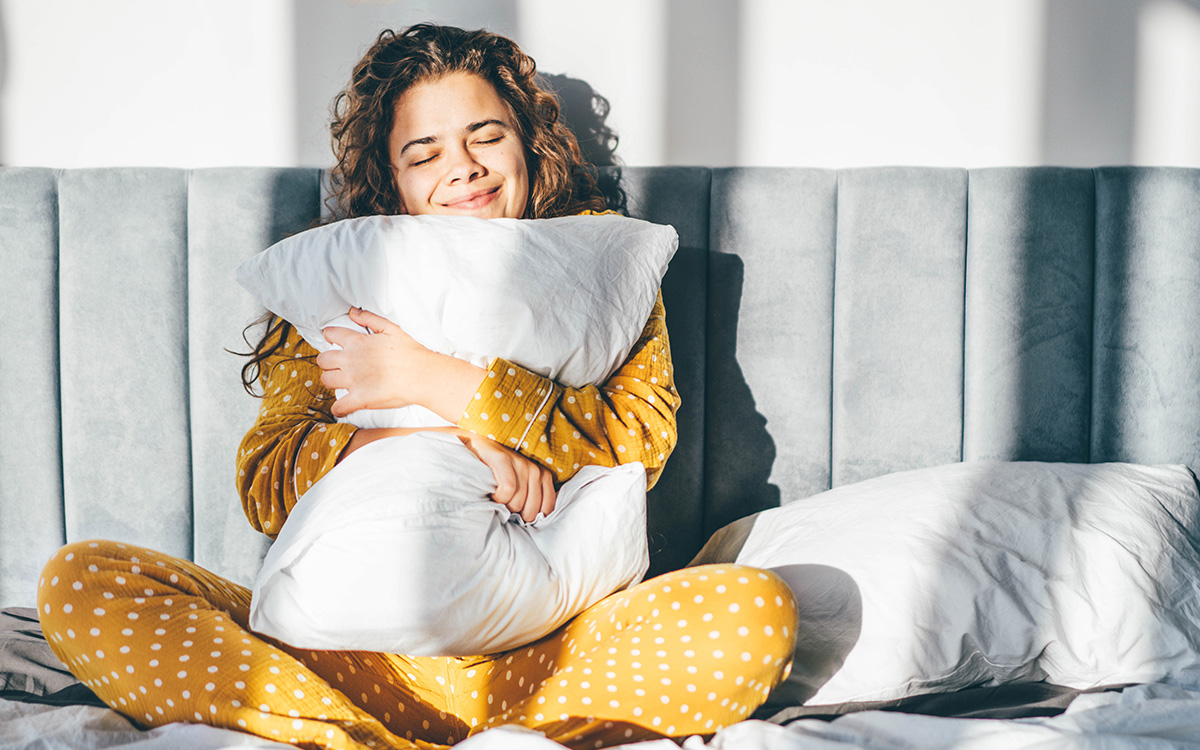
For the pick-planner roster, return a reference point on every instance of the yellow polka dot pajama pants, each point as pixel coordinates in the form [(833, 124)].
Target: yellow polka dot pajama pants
[(160, 640)]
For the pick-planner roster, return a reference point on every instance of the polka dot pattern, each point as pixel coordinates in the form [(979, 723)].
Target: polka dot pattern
[(295, 440), (160, 640), (631, 417), (171, 644)]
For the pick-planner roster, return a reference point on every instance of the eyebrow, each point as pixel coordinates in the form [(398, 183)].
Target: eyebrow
[(470, 129)]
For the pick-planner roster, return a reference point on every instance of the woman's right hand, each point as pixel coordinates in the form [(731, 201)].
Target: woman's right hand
[(522, 485)]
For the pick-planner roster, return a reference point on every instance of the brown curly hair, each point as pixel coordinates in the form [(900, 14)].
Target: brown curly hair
[(362, 182)]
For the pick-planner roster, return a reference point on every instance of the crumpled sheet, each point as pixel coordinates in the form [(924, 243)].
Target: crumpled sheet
[(1144, 717), (32, 726)]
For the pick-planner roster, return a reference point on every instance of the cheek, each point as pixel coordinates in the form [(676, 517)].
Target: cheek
[(408, 188), (520, 176)]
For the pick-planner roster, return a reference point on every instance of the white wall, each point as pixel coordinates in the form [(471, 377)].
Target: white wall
[(722, 82), (146, 82)]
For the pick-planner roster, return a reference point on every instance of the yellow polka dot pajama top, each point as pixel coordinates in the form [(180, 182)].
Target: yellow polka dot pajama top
[(160, 639)]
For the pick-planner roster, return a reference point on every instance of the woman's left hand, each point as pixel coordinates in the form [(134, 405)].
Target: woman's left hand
[(388, 369), (522, 485)]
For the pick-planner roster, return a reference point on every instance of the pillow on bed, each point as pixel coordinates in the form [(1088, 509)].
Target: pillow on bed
[(565, 297), (399, 549), (985, 573)]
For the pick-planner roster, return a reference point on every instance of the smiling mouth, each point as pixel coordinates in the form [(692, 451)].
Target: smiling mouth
[(474, 200)]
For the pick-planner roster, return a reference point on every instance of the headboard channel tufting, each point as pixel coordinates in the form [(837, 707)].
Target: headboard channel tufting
[(827, 326)]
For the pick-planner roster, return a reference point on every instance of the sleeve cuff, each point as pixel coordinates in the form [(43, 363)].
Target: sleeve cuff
[(510, 405)]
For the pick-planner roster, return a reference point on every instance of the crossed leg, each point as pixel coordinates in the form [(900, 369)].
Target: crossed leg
[(160, 639)]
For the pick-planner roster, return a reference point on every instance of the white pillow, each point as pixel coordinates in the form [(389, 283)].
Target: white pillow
[(399, 549), (564, 297), (984, 573)]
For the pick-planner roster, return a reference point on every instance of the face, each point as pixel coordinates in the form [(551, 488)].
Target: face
[(455, 150)]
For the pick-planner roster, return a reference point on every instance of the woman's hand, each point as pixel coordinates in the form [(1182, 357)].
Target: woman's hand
[(523, 486), (388, 369)]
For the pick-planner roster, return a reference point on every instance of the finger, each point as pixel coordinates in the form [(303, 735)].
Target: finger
[(350, 401), (334, 379), (506, 479), (334, 334), (330, 359), (549, 495), (533, 495), (371, 321), (520, 501)]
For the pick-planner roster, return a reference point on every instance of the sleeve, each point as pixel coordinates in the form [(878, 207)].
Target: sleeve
[(630, 417), (295, 439)]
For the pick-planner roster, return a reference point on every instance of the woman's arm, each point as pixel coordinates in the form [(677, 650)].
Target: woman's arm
[(630, 417), (294, 442)]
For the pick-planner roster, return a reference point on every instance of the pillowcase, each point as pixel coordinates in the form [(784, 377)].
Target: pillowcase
[(565, 297), (399, 549), (985, 573)]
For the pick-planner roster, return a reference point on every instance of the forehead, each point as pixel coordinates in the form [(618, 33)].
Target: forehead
[(442, 106)]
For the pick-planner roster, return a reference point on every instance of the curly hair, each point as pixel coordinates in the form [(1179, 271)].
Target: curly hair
[(362, 182)]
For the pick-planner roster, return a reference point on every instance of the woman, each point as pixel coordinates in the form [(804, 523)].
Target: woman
[(435, 120)]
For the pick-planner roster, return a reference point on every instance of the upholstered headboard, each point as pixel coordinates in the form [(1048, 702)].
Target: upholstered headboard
[(827, 326)]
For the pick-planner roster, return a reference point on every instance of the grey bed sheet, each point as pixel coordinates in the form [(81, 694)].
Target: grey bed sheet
[(29, 670)]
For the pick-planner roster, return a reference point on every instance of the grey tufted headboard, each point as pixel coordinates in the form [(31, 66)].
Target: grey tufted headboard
[(827, 326)]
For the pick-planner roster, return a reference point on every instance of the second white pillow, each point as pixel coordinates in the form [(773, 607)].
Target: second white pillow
[(984, 573)]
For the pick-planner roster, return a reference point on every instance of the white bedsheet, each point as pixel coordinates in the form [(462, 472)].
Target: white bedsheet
[(1145, 717), (26, 726), (1141, 717)]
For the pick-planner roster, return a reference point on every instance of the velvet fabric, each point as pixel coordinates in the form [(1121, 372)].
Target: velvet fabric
[(827, 326)]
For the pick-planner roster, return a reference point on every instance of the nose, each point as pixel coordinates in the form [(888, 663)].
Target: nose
[(462, 165)]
